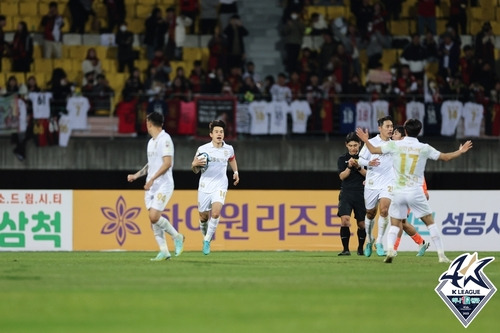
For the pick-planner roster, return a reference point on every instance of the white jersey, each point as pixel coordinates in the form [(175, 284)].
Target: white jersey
[(382, 175), (23, 115), (214, 178), (277, 117), (281, 93), (473, 117), (41, 104), (157, 149), (260, 122), (451, 112), (363, 115), (409, 157), (77, 107), (243, 118), (300, 111), (380, 109), (416, 110), (64, 130)]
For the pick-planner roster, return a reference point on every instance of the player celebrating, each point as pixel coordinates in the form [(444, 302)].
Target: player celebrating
[(409, 157), (159, 184), (379, 177), (212, 159), (398, 134), (351, 194)]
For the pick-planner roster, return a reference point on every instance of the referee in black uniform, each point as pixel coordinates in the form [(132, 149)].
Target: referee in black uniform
[(351, 194)]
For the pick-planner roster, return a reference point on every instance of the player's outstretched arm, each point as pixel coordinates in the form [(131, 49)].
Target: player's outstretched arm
[(138, 174), (364, 136), (461, 150)]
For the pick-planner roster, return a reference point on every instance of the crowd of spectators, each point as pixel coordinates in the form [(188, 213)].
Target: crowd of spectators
[(346, 67)]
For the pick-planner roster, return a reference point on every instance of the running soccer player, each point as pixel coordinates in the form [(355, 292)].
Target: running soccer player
[(159, 184), (379, 178), (409, 157), (351, 194), (212, 159)]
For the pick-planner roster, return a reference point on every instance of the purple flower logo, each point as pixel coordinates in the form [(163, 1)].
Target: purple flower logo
[(120, 221)]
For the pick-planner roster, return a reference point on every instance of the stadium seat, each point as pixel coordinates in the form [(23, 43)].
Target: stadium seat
[(142, 64), (6, 65), (43, 65), (2, 81), (143, 10), (65, 64), (389, 58), (9, 8), (332, 12), (28, 9), (190, 54), (137, 26), (400, 27)]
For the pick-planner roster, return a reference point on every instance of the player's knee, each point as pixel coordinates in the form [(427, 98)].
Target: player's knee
[(215, 215), (371, 214)]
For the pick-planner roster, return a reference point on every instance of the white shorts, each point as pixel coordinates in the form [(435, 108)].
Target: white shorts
[(158, 196), (413, 199), (372, 196), (205, 200)]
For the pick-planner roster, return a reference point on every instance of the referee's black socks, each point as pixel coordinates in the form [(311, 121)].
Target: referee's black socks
[(345, 234)]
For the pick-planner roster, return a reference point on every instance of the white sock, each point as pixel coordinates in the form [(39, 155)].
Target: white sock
[(212, 225), (369, 229), (436, 238), (160, 238), (203, 228), (392, 235), (382, 225), (167, 227)]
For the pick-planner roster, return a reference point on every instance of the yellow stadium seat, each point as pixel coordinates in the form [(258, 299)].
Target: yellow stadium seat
[(9, 8), (389, 58), (400, 27), (130, 2), (2, 81), (142, 64), (136, 25), (65, 64), (142, 10), (101, 51), (332, 12), (43, 65), (37, 51), (6, 65), (205, 55), (28, 8), (191, 54)]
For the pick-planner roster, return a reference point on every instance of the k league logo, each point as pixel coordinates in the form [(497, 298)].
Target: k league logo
[(465, 288)]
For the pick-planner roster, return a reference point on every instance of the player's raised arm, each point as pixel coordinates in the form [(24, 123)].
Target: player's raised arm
[(364, 136), (461, 150)]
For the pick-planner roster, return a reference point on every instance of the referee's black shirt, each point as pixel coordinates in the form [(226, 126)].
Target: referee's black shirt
[(355, 180)]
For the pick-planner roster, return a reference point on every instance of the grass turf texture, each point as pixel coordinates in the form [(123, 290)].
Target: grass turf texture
[(229, 292)]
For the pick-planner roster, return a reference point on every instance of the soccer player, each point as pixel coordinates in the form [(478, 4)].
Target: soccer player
[(409, 157), (351, 194), (159, 184), (398, 134), (379, 178), (212, 159)]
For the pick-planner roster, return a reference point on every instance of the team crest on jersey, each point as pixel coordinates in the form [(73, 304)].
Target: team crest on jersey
[(465, 288)]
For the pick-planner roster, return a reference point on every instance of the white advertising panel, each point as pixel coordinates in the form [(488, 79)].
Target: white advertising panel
[(468, 221), (36, 220)]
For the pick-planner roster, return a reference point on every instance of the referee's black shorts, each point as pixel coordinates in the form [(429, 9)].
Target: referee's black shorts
[(352, 201)]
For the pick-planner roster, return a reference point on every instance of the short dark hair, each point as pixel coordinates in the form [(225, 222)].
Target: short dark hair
[(413, 127), (352, 137), (217, 123), (2, 18), (400, 129), (155, 118), (380, 121), (52, 4)]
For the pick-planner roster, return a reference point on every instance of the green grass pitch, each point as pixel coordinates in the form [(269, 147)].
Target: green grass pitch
[(237, 292)]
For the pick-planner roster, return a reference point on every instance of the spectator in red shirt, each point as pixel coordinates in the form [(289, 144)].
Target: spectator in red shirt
[(198, 78), (52, 35), (468, 65), (426, 16), (189, 8), (458, 15), (295, 86)]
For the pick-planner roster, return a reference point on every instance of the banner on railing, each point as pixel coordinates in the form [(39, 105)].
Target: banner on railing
[(215, 108)]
